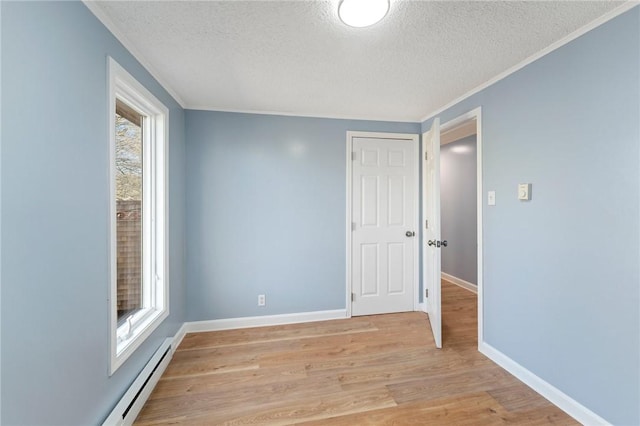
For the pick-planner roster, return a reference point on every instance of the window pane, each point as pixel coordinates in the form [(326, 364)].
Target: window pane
[(128, 210)]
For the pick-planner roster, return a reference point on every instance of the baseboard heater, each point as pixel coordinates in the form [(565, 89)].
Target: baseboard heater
[(133, 400)]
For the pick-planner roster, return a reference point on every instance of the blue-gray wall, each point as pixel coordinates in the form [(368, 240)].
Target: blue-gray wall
[(561, 272), (55, 204), (458, 207), (266, 205), (266, 212)]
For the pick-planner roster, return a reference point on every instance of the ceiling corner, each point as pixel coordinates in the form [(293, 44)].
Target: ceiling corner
[(97, 11)]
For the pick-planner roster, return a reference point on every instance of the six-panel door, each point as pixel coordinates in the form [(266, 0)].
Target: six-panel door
[(384, 176)]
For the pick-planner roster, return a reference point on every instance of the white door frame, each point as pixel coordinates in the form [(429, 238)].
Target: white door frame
[(477, 115), (416, 226)]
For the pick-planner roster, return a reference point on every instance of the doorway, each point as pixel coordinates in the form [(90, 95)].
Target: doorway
[(382, 223), (434, 242), (458, 197), (458, 207)]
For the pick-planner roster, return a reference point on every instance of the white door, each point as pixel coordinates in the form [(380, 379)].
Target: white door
[(431, 213), (384, 179)]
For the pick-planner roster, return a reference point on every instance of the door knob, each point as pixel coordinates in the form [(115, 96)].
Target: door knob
[(410, 234), (437, 244)]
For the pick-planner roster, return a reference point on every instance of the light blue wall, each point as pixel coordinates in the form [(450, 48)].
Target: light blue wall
[(561, 272), (266, 212), (458, 206), (55, 199), (266, 205)]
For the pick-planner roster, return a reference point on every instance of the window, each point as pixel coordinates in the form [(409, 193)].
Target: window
[(139, 299)]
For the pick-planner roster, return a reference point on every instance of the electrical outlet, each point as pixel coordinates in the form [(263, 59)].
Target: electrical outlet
[(262, 300)]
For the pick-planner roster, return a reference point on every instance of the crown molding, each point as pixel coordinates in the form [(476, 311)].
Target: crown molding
[(558, 44)]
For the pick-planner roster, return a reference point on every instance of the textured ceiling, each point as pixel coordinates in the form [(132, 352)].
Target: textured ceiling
[(296, 57)]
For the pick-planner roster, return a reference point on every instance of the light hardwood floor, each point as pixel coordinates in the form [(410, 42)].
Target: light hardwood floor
[(374, 370)]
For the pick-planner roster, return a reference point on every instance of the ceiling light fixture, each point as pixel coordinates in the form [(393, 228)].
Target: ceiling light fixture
[(362, 13)]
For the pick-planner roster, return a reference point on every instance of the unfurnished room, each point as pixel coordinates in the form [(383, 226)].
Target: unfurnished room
[(319, 212)]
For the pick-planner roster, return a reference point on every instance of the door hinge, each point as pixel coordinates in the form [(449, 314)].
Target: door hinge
[(353, 156), (353, 226), (426, 293), (426, 156), (353, 297), (426, 224)]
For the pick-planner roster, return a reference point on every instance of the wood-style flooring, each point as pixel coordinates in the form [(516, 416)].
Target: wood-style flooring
[(373, 370)]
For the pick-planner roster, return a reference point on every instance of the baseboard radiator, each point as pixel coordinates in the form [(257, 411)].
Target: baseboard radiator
[(133, 400)]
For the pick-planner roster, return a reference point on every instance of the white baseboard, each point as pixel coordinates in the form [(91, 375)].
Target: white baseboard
[(460, 282), (131, 403), (553, 394), (177, 339), (422, 307), (263, 321)]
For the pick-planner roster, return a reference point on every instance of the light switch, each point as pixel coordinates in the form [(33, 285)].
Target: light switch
[(524, 191), (491, 198)]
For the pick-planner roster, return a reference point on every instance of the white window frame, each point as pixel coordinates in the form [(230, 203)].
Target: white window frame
[(124, 340)]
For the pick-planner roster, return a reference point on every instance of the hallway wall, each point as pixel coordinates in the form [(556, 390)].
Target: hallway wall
[(458, 208)]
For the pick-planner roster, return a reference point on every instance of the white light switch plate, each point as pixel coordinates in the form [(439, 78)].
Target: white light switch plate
[(491, 198), (524, 191)]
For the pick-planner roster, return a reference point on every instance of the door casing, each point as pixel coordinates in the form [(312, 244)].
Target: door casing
[(349, 212)]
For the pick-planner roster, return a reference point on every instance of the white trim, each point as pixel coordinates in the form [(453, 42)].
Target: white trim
[(476, 114), (349, 214), (479, 225), (306, 115), (263, 321), (422, 307), (460, 282), (138, 393), (554, 46), (114, 29), (348, 223), (123, 343), (563, 401), (418, 238), (177, 338)]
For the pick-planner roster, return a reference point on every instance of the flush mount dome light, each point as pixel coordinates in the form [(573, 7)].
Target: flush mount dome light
[(362, 13)]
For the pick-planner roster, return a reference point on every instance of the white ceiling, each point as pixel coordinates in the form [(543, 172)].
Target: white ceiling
[(296, 57)]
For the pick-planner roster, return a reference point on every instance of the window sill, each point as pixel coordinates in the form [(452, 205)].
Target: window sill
[(143, 324)]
